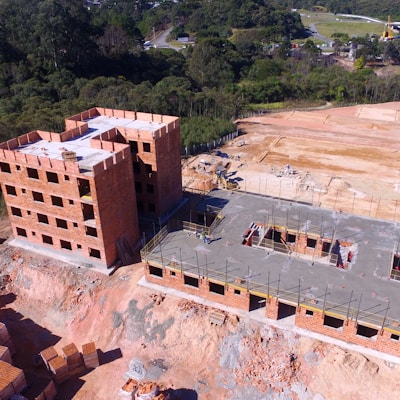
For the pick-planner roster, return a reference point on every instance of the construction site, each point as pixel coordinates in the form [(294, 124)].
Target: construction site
[(276, 278)]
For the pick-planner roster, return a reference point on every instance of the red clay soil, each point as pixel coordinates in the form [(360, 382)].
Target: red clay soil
[(338, 158)]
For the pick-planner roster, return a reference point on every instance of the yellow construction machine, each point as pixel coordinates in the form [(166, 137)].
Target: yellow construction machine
[(220, 178), (387, 33)]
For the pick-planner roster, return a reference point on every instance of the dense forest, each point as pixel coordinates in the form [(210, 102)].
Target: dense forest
[(58, 57)]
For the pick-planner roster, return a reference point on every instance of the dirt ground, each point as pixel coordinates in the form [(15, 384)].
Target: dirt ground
[(340, 158), (45, 302)]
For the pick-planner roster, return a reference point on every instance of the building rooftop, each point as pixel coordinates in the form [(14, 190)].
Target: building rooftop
[(87, 156), (363, 287)]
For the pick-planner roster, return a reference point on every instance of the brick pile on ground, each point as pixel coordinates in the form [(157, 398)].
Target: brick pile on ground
[(12, 380), (5, 339), (90, 355), (5, 354), (129, 389), (147, 391), (73, 357), (59, 367), (48, 354)]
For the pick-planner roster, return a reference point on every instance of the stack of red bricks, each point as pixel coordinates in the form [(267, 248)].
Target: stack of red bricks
[(12, 380), (56, 364), (5, 339), (129, 389), (59, 367), (47, 355), (90, 356), (5, 354), (73, 358)]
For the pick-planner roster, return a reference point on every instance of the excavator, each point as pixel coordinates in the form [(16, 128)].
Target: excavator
[(220, 176)]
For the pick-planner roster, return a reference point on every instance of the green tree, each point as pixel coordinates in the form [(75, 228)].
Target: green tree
[(360, 62), (210, 63)]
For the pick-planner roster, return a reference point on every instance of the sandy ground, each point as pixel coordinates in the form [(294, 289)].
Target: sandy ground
[(344, 159), (44, 302)]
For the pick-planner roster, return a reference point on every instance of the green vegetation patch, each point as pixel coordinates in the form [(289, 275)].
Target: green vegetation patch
[(360, 29)]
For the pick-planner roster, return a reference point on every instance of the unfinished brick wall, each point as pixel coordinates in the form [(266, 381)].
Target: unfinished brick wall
[(233, 296), (46, 207), (114, 194), (384, 340), (43, 193), (157, 166)]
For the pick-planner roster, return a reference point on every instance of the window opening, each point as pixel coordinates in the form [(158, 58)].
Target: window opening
[(57, 201), (43, 219), (94, 253), (47, 239), (33, 173), (52, 177), (146, 147), (11, 190), (38, 197), (5, 167)]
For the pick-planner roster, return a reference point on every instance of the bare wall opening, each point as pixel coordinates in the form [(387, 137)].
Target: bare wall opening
[(285, 310), (333, 322), (84, 187), (156, 271), (216, 288), (367, 331), (65, 245), (257, 302), (191, 281)]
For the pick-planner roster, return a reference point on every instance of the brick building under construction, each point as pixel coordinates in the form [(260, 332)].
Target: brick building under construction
[(333, 273), (81, 192)]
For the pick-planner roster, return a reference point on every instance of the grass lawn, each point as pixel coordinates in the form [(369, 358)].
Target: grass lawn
[(327, 24)]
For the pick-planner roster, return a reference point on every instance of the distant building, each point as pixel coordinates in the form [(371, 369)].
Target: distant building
[(82, 191)]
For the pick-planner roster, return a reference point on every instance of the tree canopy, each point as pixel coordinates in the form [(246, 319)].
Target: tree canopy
[(58, 57)]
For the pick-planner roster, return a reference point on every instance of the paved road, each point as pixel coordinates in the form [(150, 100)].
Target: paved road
[(317, 35), (161, 40)]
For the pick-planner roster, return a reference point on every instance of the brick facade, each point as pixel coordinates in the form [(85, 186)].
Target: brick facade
[(385, 340), (86, 204)]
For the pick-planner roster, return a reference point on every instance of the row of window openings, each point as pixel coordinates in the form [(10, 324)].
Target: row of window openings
[(37, 196), (33, 173), (60, 223), (139, 189), (64, 244), (192, 281), (135, 146)]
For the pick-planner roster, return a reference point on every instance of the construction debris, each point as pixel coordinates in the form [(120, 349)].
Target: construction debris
[(188, 305), (132, 389), (158, 298), (129, 389)]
